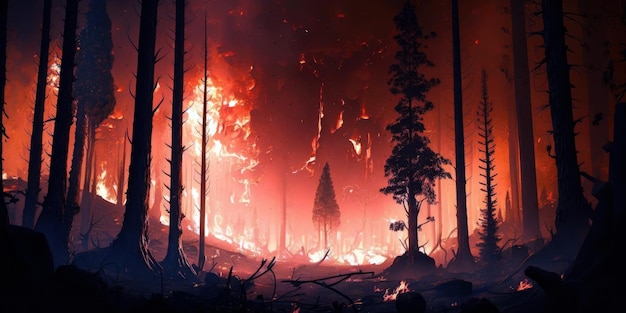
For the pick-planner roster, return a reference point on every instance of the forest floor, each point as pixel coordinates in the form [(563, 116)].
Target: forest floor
[(354, 289), (363, 288)]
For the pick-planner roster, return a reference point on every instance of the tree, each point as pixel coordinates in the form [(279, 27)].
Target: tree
[(523, 107), (489, 224), (56, 219), (95, 95), (413, 167), (572, 210), (130, 248), (463, 255), (4, 9), (36, 137), (326, 215), (175, 263)]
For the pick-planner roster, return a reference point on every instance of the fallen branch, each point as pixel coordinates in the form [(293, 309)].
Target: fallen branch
[(323, 282)]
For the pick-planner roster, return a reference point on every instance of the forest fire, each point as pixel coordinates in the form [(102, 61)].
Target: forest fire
[(281, 144)]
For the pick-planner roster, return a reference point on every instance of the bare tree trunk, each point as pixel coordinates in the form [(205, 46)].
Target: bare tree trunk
[(572, 209), (530, 209), (130, 248), (56, 219), (175, 263), (464, 255), (36, 137)]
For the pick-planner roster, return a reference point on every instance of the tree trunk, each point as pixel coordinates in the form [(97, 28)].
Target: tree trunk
[(412, 214), (77, 159), (4, 12), (464, 255), (530, 209), (572, 208), (130, 248), (87, 195), (36, 138), (56, 219), (175, 263)]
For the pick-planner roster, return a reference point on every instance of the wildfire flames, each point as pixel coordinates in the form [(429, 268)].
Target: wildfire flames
[(524, 284), (392, 295)]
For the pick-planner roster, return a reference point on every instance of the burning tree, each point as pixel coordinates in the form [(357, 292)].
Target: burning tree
[(489, 224), (95, 95), (326, 215), (413, 167)]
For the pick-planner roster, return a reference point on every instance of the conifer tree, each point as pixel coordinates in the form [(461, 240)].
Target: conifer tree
[(489, 224), (326, 214), (413, 167)]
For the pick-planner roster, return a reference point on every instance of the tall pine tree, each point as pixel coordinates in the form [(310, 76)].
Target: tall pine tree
[(413, 167), (175, 264), (326, 214), (489, 236)]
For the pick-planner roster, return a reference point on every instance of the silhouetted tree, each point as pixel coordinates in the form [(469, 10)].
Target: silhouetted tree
[(4, 12), (175, 264), (489, 224), (326, 214), (413, 167), (36, 137), (56, 218), (463, 255), (95, 94), (572, 210), (523, 108), (130, 248)]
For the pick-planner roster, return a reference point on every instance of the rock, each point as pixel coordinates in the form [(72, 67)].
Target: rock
[(410, 302)]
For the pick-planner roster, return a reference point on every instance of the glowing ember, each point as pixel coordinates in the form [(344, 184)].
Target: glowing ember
[(391, 296), (524, 284)]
